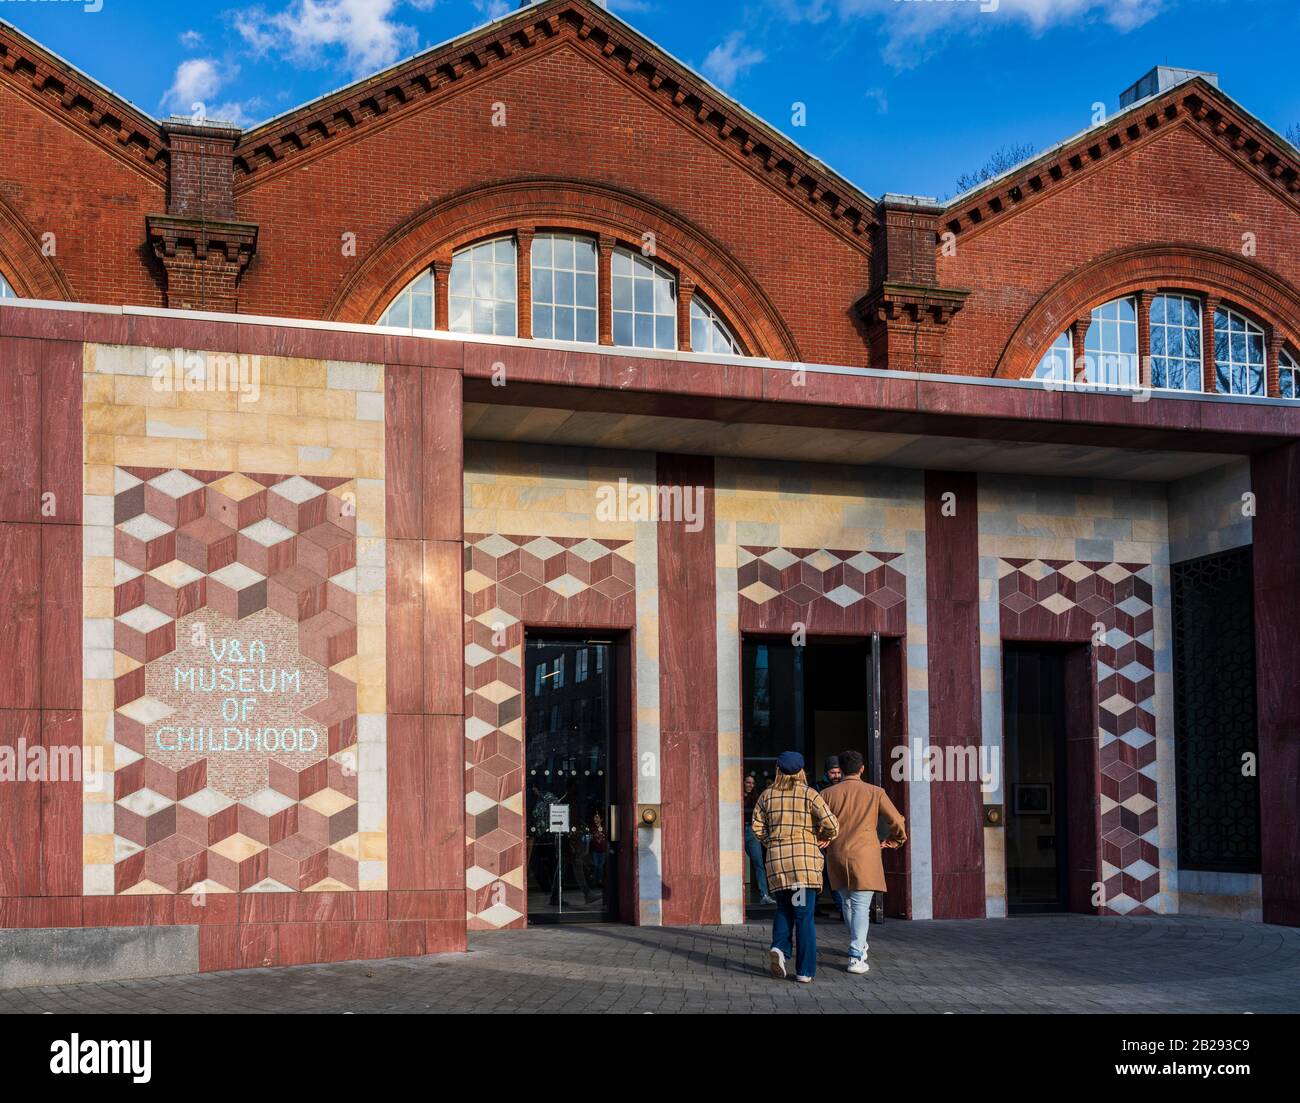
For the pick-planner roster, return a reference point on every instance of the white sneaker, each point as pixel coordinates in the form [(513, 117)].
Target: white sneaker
[(776, 963), (804, 980), (859, 965)]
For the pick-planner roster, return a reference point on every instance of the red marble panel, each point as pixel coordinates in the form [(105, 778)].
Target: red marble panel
[(20, 429), (443, 494), (61, 404), (60, 662), (60, 804), (425, 802), (1275, 479), (40, 911), (404, 627), (444, 691), (688, 688), (20, 629), (952, 612), (403, 452)]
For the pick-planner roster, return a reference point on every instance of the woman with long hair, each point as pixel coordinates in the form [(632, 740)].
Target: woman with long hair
[(792, 821)]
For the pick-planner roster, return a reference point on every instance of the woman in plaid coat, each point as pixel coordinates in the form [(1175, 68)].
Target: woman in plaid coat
[(792, 821)]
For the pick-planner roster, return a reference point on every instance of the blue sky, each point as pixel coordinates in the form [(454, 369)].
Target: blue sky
[(901, 95)]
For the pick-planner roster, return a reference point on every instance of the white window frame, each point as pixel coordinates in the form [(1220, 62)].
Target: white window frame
[(640, 272), (1248, 329), (1060, 353), (409, 304), (6, 291), (718, 340), (1192, 367), (491, 281), (1102, 346), (1288, 368), (548, 309)]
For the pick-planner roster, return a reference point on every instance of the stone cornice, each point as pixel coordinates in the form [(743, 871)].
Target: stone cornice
[(1195, 104), (911, 302), (171, 236), (630, 57), (41, 78)]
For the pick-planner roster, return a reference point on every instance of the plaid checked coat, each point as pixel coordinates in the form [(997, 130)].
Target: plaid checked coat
[(788, 822)]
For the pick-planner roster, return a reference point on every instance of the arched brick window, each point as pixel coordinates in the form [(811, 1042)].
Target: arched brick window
[(1239, 354), (482, 295), (1176, 342), (1057, 361), (709, 333), (413, 307), (1111, 346), (644, 302), (565, 295), (6, 292), (1288, 375)]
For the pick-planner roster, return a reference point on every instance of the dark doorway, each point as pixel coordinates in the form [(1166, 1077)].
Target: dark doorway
[(817, 698), (571, 750), (1049, 752)]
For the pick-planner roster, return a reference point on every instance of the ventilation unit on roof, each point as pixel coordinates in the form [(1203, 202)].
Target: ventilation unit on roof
[(1160, 79)]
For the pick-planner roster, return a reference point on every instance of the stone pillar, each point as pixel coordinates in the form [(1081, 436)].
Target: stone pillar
[(1144, 299), (1208, 307), (1079, 339), (685, 293), (605, 313), (441, 284)]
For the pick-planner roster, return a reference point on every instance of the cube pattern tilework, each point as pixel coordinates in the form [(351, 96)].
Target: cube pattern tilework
[(509, 579), (243, 489), (1119, 597)]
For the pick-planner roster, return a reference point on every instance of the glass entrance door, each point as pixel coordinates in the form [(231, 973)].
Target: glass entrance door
[(569, 749)]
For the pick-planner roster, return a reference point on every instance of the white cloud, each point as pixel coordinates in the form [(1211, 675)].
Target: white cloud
[(729, 59), (877, 96), (366, 31), (915, 29), (191, 39), (494, 9), (194, 89)]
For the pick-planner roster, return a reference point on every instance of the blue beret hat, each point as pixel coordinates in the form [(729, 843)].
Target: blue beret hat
[(790, 762)]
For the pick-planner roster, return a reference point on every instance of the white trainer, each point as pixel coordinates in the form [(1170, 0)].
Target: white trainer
[(804, 980), (776, 963), (859, 965)]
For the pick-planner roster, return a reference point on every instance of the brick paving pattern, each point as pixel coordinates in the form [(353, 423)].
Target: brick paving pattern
[(1041, 964)]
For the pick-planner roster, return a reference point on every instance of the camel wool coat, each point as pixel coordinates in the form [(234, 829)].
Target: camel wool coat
[(853, 857)]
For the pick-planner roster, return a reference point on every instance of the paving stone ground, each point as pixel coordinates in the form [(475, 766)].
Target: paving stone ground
[(1033, 964)]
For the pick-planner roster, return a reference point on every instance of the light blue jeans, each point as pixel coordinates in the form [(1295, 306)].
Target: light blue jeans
[(856, 909)]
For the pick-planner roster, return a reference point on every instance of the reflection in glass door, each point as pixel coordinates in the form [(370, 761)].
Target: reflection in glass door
[(570, 774)]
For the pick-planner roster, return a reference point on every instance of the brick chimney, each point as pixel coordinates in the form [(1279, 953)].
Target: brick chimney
[(203, 248), (906, 312)]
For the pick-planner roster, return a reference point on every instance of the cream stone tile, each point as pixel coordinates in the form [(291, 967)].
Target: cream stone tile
[(97, 449), (98, 390), (298, 430), (94, 725), (225, 401), (97, 573), (283, 371), (240, 427), (372, 846), (331, 405), (97, 850), (372, 699), (119, 421), (98, 601), (181, 424), (207, 455), (369, 463), (123, 664), (137, 390), (355, 434), (271, 459), (273, 401), (133, 451), (97, 479)]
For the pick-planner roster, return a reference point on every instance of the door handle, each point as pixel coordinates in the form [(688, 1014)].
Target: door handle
[(613, 823)]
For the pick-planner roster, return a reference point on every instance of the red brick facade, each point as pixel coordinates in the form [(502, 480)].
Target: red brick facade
[(561, 116)]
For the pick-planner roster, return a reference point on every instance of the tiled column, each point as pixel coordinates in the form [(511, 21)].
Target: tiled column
[(688, 700), (1275, 480), (953, 619), (605, 315)]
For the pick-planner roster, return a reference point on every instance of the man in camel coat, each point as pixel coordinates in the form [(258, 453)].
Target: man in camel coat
[(853, 856)]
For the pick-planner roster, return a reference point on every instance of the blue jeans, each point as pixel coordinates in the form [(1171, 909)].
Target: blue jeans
[(856, 907), (754, 851), (797, 921)]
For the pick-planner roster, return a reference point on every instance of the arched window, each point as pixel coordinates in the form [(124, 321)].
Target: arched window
[(1176, 342), (1057, 361), (6, 292), (1111, 345), (1239, 360), (1288, 375), (644, 299), (482, 294), (709, 333), (413, 307), (564, 287)]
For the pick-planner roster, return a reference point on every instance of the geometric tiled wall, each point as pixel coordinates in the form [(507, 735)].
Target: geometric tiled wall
[(1119, 597), (233, 551)]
